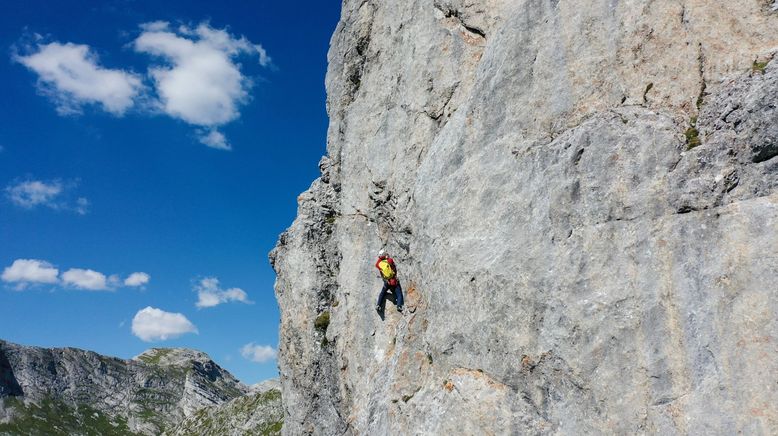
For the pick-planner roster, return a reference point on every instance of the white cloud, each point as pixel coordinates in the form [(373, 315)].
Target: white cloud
[(114, 281), (82, 206), (258, 353), (201, 82), (137, 279), (71, 76), (214, 139), (196, 79), (30, 271), (34, 192), (54, 194), (152, 324), (86, 279), (264, 59), (210, 294), (155, 26)]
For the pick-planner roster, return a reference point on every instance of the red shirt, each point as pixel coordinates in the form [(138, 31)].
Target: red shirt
[(389, 260)]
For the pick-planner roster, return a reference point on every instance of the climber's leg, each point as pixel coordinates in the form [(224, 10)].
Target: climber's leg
[(398, 295), (382, 298)]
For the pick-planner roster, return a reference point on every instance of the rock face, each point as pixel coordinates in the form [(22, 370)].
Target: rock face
[(257, 413), (71, 391), (582, 199)]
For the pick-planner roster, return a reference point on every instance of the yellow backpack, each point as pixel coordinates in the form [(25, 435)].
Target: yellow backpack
[(386, 270)]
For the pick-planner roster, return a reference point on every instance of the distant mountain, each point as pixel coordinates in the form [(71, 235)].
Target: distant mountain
[(258, 413), (67, 391)]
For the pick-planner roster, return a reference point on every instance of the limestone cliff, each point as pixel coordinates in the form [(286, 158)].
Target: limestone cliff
[(582, 198)]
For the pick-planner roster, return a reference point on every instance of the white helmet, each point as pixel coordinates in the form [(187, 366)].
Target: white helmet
[(382, 253)]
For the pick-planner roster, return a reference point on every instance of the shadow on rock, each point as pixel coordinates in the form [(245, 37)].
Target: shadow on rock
[(9, 387)]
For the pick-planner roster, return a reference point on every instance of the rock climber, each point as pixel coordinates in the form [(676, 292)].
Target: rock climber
[(388, 271)]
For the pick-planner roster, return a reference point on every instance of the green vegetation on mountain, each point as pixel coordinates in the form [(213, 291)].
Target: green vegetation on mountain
[(54, 417)]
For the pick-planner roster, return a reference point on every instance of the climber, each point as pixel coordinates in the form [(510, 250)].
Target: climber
[(388, 271)]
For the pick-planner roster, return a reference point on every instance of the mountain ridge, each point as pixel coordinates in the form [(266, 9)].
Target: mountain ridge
[(151, 393)]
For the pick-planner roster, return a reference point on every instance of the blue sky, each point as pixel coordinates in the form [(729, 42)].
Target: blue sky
[(150, 154)]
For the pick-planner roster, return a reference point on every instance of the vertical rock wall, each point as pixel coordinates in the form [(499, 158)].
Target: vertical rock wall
[(582, 197)]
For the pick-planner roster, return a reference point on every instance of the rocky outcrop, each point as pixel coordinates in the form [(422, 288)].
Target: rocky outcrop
[(257, 413), (72, 391), (582, 198)]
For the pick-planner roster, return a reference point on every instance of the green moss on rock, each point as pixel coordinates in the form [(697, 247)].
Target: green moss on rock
[(759, 67), (322, 321)]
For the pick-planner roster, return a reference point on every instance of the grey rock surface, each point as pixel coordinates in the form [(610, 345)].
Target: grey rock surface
[(581, 197), (265, 386), (147, 394), (259, 412)]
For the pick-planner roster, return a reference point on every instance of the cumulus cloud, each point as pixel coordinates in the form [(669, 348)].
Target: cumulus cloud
[(30, 271), (214, 139), (152, 324), (25, 272), (196, 76), (85, 279), (31, 193), (210, 294), (200, 83), (54, 194), (137, 279), (258, 353), (71, 75)]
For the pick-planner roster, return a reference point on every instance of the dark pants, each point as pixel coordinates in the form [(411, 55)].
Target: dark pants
[(397, 291)]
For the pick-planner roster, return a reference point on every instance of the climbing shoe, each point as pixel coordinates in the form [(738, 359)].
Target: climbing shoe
[(399, 308), (378, 308)]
